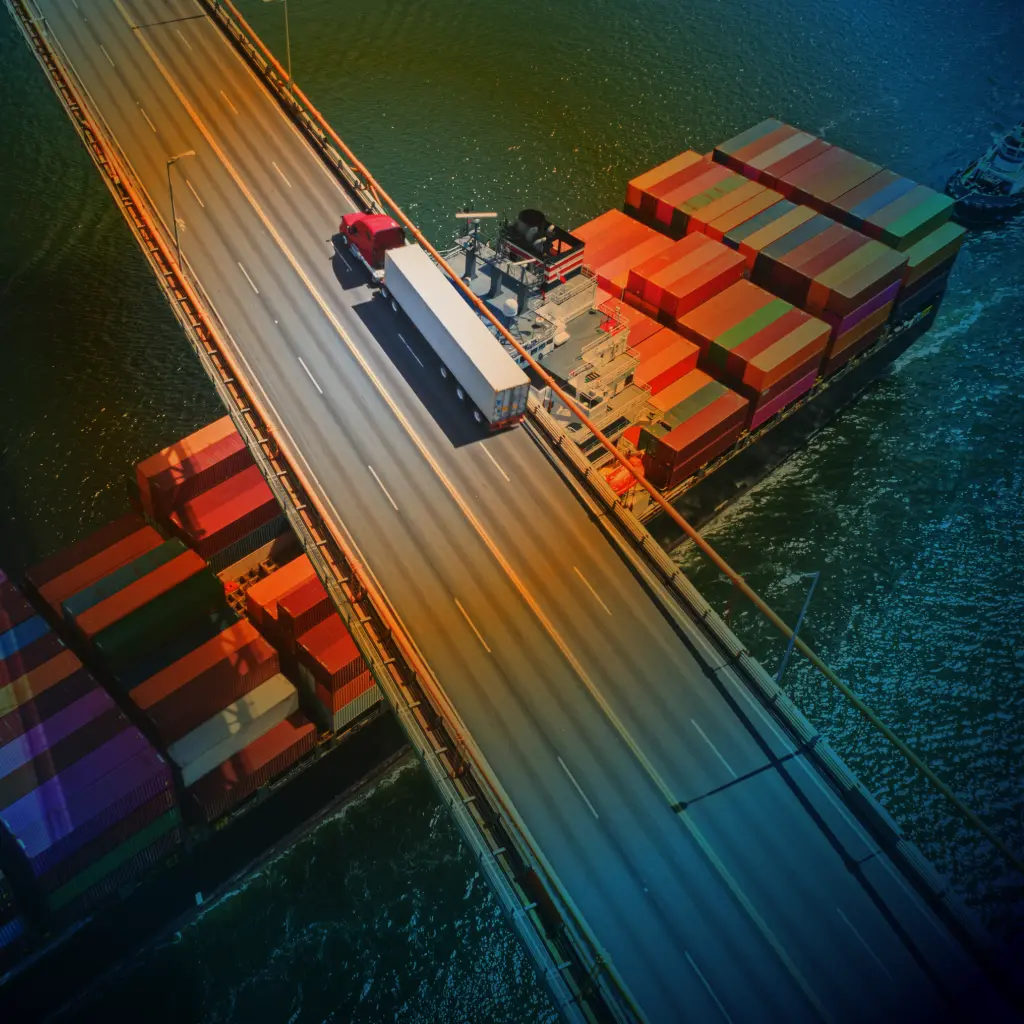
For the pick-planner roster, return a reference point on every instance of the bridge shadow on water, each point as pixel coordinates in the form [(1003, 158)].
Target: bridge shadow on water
[(415, 360)]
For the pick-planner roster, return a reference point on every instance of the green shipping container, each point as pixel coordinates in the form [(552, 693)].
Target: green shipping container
[(121, 578), (95, 873), (132, 636)]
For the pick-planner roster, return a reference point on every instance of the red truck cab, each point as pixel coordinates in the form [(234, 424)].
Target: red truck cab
[(369, 236)]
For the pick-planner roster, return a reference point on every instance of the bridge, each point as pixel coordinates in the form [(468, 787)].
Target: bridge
[(691, 856)]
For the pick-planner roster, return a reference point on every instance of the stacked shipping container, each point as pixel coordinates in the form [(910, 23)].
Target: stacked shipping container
[(81, 790), (12, 925), (207, 490)]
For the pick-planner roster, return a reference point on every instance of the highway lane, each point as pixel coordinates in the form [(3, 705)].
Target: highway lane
[(532, 702)]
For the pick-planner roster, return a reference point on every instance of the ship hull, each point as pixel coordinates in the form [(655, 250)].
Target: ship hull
[(705, 498), (977, 208)]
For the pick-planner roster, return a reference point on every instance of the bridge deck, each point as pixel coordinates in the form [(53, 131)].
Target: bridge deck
[(763, 901)]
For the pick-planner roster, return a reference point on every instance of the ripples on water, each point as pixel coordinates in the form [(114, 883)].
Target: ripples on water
[(909, 504)]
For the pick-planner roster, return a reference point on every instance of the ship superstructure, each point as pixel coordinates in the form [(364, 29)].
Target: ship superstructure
[(992, 188)]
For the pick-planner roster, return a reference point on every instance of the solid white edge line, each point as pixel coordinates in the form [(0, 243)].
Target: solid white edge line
[(107, 55), (75, 3), (587, 583), (707, 985), (228, 102), (279, 171), (504, 474), (387, 493), (184, 40), (472, 625), (311, 377), (248, 278), (579, 789), (146, 116), (864, 943), (718, 753), (195, 193), (402, 340)]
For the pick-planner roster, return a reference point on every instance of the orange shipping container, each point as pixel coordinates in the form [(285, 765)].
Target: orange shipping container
[(261, 598), (613, 274), (752, 245), (114, 608), (723, 311), (679, 297), (725, 222), (83, 575), (173, 455), (798, 348), (640, 184), (702, 218), (193, 664), (679, 391), (667, 366)]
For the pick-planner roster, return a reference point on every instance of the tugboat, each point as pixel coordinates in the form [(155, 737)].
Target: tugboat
[(992, 188)]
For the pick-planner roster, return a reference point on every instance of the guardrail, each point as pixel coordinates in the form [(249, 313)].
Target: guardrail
[(572, 965)]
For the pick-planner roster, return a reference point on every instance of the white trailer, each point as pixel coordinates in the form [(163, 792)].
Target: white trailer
[(484, 372)]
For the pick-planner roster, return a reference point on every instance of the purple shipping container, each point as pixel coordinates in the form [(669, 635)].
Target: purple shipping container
[(61, 756), (22, 750), (52, 794), (876, 302), (55, 698), (94, 809), (17, 638), (780, 402)]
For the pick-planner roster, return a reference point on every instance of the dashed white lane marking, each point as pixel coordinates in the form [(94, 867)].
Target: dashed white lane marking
[(107, 55), (279, 171), (597, 597), (497, 467), (718, 753), (472, 625), (195, 193), (228, 102), (315, 384), (146, 116), (579, 789), (184, 40), (404, 342), (387, 493), (248, 278), (864, 943), (711, 991), (75, 5)]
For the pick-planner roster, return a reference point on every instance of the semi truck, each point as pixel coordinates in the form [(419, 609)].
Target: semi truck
[(484, 375)]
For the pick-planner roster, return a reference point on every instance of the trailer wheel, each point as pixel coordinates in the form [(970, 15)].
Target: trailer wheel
[(444, 372), (394, 306), (461, 394), (477, 416), (384, 292)]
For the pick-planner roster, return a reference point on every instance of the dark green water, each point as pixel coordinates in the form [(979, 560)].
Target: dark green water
[(909, 504)]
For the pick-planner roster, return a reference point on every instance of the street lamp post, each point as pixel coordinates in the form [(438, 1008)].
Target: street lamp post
[(287, 41), (813, 577), (170, 192)]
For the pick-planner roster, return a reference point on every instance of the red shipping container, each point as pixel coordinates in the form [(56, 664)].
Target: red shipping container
[(96, 542), (771, 174), (14, 608), (198, 473), (56, 591), (300, 610), (335, 700), (718, 228), (261, 598), (669, 476), (678, 258), (665, 338), (198, 699), (767, 408), (177, 453), (129, 599), (254, 766), (330, 654), (640, 185), (613, 274), (667, 366), (737, 360), (699, 431), (701, 218), (640, 326), (225, 513), (739, 158)]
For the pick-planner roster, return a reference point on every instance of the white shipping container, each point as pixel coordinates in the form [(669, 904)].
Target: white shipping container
[(355, 707), (476, 359), (238, 725)]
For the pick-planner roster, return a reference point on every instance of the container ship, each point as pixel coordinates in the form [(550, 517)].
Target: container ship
[(159, 680), (992, 188), (727, 311)]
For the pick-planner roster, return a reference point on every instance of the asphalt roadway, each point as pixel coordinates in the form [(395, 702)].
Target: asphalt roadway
[(761, 901)]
